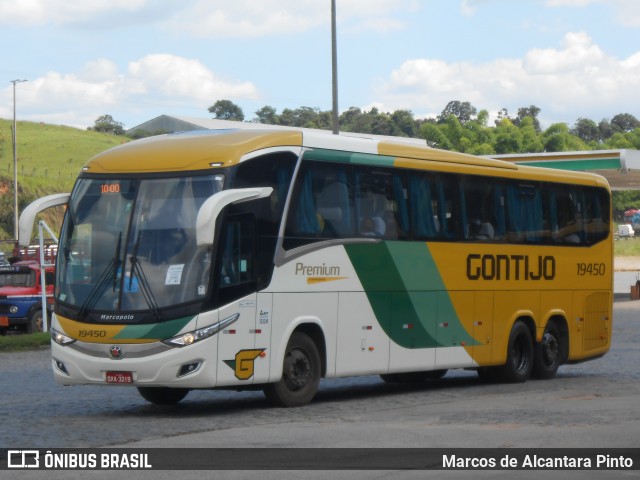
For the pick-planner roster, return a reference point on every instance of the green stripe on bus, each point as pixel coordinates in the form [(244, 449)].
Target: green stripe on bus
[(407, 294), (154, 331), (337, 156), (576, 165)]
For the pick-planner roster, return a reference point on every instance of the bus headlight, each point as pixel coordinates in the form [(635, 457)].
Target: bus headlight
[(60, 338), (190, 338), (13, 309)]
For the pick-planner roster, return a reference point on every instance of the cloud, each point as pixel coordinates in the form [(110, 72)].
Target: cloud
[(209, 18), (576, 77), (469, 7), (179, 77), (257, 18), (163, 81), (626, 12), (67, 12)]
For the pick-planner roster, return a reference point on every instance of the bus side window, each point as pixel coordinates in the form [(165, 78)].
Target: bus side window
[(482, 208), (596, 215), (381, 198), (321, 206), (334, 209), (424, 217), (566, 226), (448, 206), (524, 213)]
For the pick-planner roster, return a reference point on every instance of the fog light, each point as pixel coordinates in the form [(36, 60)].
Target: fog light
[(60, 366), (188, 369), (13, 309)]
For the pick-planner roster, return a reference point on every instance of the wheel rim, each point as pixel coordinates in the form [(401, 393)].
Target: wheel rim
[(297, 370), (550, 349)]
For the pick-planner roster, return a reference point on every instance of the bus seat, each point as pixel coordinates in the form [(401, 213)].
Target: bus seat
[(333, 206)]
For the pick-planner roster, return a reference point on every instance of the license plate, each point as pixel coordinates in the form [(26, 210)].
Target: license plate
[(119, 377), (4, 321)]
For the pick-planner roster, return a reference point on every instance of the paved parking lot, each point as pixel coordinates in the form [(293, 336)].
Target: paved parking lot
[(593, 404)]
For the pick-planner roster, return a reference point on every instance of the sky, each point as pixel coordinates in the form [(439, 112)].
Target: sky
[(138, 59)]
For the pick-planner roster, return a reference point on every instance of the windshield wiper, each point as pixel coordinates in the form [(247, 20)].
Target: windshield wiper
[(145, 288), (110, 273)]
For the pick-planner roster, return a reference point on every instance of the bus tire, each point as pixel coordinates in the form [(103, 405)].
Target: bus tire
[(163, 395), (301, 371), (35, 322), (520, 355), (548, 354)]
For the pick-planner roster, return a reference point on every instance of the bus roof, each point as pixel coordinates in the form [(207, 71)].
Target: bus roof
[(206, 149)]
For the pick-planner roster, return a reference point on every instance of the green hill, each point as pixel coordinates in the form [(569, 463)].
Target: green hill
[(49, 160)]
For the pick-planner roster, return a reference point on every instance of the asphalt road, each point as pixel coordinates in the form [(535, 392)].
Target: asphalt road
[(594, 404)]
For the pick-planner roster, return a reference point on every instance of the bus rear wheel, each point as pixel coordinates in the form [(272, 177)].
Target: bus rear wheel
[(549, 354), (163, 395), (300, 374)]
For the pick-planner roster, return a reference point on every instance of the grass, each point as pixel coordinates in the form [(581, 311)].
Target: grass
[(14, 343), (627, 248), (49, 160)]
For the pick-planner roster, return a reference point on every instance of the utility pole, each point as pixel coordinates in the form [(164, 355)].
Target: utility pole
[(15, 164), (334, 68)]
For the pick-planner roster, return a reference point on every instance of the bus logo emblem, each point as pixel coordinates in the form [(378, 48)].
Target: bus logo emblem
[(116, 352), (243, 363)]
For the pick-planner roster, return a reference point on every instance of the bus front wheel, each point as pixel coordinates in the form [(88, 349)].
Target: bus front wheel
[(300, 374), (163, 395)]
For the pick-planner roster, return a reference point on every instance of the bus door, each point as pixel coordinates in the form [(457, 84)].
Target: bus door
[(238, 353)]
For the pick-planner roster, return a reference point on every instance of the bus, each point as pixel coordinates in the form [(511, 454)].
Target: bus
[(270, 259)]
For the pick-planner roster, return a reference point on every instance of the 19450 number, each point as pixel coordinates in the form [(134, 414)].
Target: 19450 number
[(591, 269), (92, 333)]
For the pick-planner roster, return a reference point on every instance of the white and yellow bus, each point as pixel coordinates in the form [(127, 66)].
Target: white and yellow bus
[(274, 258)]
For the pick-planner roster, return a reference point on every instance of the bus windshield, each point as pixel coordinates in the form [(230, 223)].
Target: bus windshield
[(129, 244)]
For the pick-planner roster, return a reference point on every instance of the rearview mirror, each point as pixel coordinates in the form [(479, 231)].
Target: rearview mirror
[(211, 208), (28, 216)]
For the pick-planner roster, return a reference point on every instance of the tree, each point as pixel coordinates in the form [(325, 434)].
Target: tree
[(556, 138), (106, 124), (532, 112), (624, 122), (348, 118), (227, 110), (463, 111), (586, 129), (508, 137), (267, 115), (605, 130), (619, 140), (530, 139), (403, 119), (435, 137), (502, 114)]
